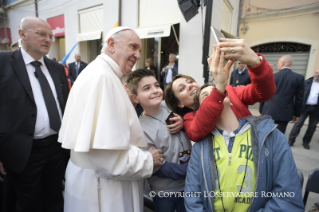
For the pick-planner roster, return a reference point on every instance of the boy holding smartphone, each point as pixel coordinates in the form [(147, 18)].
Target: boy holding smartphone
[(176, 147)]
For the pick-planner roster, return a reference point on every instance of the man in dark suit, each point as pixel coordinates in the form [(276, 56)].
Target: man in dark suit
[(170, 70), (286, 104), (76, 67), (240, 76), (33, 94), (311, 109)]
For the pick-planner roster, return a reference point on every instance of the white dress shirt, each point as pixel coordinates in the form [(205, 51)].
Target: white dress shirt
[(313, 95), (169, 76), (42, 124)]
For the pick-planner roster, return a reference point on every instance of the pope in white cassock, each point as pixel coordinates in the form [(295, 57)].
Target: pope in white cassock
[(100, 126)]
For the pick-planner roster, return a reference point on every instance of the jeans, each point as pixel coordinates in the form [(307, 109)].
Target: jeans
[(169, 204), (313, 121)]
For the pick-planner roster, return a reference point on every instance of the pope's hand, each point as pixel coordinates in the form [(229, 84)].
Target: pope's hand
[(157, 156)]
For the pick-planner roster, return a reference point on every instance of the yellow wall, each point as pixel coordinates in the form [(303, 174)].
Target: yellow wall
[(299, 26)]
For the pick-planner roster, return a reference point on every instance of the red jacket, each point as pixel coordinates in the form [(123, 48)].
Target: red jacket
[(261, 89)]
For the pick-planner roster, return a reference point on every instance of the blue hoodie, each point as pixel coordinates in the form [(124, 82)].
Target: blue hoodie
[(275, 172)]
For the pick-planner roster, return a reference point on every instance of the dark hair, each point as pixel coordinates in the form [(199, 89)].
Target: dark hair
[(197, 95), (172, 101), (135, 77)]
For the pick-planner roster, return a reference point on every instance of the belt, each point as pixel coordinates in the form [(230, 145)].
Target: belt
[(46, 141), (81, 159)]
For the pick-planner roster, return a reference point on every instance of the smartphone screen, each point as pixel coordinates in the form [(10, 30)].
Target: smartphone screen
[(170, 115), (217, 34)]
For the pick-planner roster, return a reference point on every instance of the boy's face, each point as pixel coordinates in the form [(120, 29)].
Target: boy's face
[(149, 92), (206, 91)]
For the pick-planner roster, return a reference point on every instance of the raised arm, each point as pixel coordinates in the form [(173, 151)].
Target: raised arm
[(262, 86), (199, 126)]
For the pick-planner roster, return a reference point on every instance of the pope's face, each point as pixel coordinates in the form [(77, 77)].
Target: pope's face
[(127, 51)]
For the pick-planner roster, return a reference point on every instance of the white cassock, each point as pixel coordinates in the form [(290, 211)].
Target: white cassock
[(100, 126)]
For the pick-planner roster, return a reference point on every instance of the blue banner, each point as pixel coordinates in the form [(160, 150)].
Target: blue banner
[(68, 54)]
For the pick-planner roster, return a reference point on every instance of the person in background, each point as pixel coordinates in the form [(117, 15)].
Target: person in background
[(149, 65), (66, 73), (76, 67), (14, 46), (286, 104), (310, 109), (170, 70), (240, 76)]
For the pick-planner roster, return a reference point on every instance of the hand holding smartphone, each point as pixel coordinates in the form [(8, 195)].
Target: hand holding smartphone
[(170, 115)]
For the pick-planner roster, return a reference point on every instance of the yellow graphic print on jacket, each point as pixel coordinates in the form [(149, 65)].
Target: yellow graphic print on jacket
[(231, 172)]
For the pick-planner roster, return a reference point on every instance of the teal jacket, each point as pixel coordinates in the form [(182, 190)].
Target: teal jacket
[(275, 172)]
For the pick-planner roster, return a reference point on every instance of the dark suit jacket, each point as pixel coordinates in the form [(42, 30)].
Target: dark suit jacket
[(287, 102), (18, 109), (174, 70), (239, 79), (72, 71), (308, 84)]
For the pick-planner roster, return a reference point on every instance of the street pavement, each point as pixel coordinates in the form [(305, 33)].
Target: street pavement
[(306, 160)]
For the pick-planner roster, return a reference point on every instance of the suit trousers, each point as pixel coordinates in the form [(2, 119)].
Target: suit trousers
[(39, 186), (310, 111), (282, 125)]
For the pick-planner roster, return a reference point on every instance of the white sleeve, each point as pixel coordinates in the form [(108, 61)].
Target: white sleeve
[(131, 164)]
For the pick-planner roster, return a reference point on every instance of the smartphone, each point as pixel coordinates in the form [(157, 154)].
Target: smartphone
[(170, 115), (217, 34)]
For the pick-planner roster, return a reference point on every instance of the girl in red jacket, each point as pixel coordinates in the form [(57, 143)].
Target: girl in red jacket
[(180, 92)]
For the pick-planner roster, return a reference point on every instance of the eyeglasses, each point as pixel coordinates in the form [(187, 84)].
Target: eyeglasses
[(42, 34)]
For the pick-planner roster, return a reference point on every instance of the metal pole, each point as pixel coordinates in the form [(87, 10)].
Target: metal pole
[(208, 20), (36, 8), (120, 12)]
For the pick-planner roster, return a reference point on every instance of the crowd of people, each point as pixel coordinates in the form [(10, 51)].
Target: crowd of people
[(117, 127)]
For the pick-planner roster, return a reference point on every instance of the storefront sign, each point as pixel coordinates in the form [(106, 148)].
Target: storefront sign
[(5, 39), (57, 24)]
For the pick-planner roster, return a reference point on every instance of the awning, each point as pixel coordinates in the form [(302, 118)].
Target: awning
[(89, 36), (91, 23), (154, 31)]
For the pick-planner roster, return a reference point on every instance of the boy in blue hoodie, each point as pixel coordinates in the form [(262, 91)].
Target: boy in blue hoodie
[(244, 164)]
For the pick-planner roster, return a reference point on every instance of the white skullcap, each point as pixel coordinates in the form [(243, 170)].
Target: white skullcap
[(114, 31)]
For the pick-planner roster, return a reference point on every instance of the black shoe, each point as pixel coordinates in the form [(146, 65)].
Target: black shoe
[(291, 143), (306, 146)]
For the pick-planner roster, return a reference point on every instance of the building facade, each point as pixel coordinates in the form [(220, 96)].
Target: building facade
[(277, 28), (159, 23)]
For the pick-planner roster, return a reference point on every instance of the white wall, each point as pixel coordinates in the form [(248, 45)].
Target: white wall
[(48, 9), (190, 48)]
